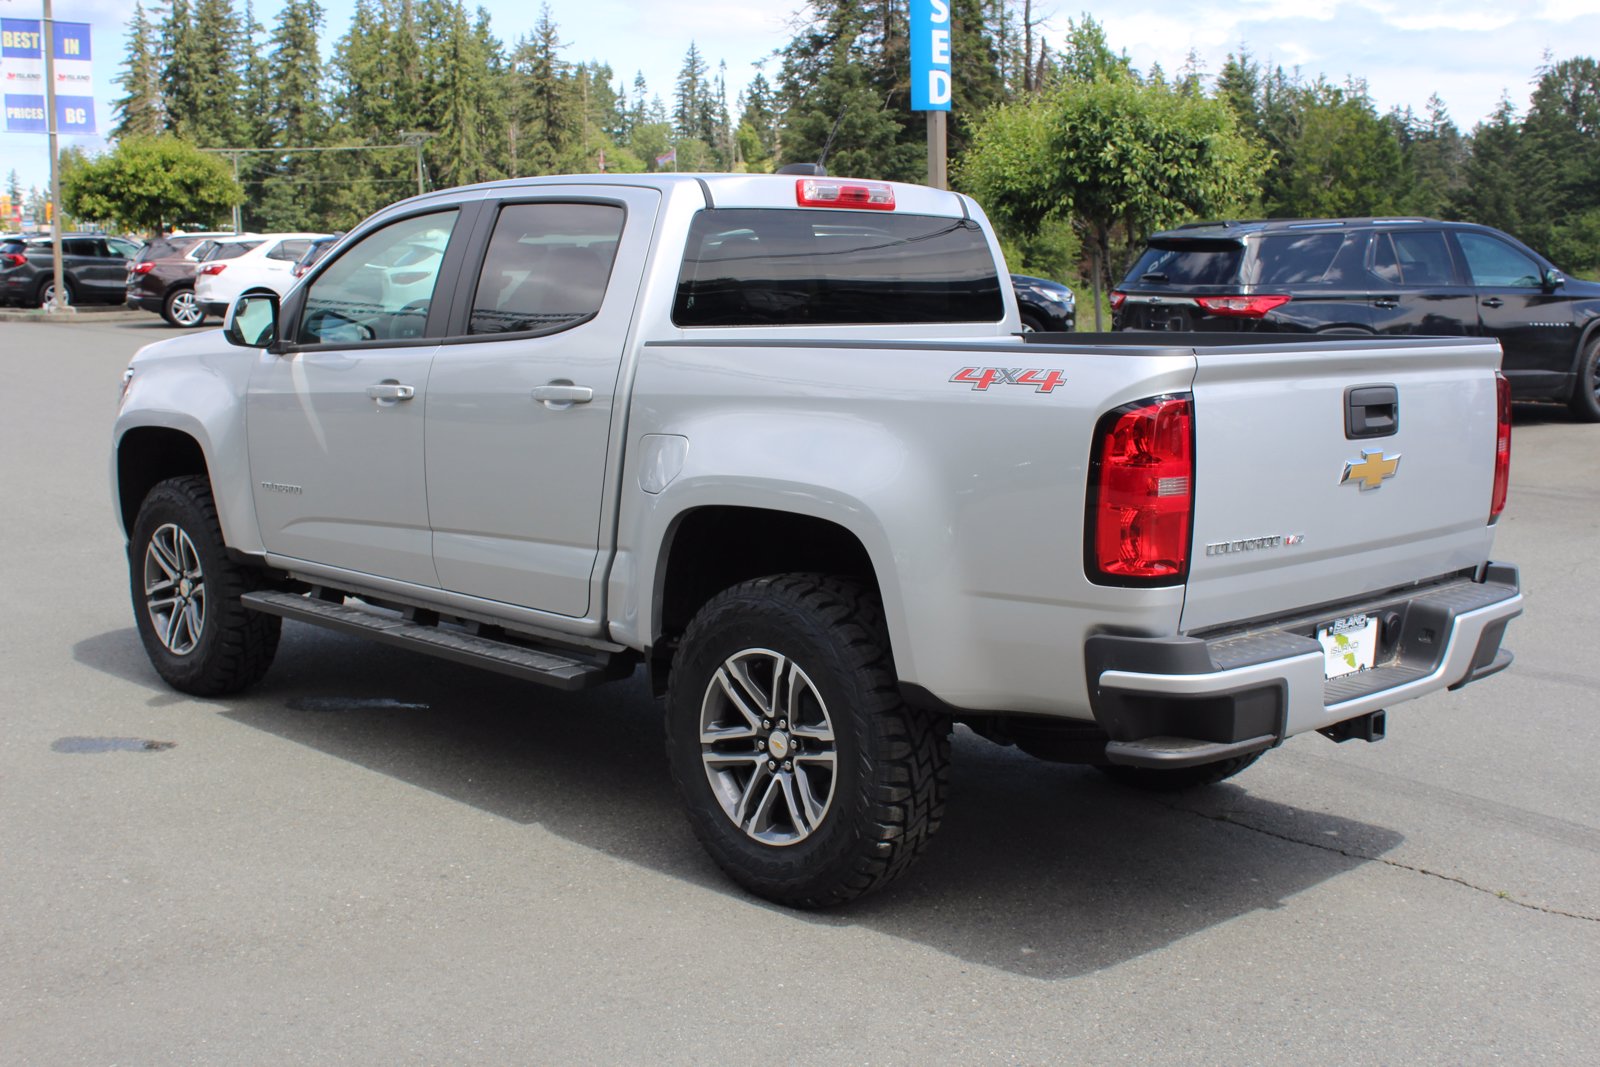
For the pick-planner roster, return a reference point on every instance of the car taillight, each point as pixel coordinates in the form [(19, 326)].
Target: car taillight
[(1502, 448), (15, 259), (1242, 307), (1141, 493), (844, 192), (213, 268), (143, 268), (1117, 297)]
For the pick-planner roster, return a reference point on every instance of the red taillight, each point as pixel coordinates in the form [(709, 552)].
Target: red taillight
[(143, 268), (1142, 492), (1242, 307), (844, 192), (1502, 447), (213, 268), (1117, 298), (16, 259)]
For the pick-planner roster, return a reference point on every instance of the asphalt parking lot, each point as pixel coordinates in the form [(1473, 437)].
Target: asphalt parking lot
[(372, 858)]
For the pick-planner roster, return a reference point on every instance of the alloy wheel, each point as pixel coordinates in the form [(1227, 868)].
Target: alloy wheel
[(768, 746), (175, 589)]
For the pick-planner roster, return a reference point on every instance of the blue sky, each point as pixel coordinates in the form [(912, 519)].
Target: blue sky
[(1468, 51)]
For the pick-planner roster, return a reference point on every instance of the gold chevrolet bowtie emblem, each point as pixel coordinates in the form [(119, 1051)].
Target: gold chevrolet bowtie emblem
[(1371, 470)]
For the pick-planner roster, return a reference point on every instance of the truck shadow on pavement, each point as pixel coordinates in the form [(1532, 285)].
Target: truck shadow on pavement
[(1041, 870)]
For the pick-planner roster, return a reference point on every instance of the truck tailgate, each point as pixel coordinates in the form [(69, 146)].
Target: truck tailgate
[(1294, 510)]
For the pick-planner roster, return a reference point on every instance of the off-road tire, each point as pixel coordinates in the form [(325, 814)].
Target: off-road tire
[(1170, 780), (182, 309), (890, 762), (1585, 399), (233, 647)]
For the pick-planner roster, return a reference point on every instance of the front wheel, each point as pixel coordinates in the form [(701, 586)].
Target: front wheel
[(198, 635), (1585, 400), (806, 776)]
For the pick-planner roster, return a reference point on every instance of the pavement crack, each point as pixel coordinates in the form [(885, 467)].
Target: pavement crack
[(1498, 894)]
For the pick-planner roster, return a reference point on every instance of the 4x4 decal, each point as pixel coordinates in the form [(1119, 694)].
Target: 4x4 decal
[(980, 378)]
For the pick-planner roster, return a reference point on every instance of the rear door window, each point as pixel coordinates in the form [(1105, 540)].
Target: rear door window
[(1412, 258), (774, 266), (546, 268)]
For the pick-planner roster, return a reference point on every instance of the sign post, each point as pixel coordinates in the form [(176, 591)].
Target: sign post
[(930, 80)]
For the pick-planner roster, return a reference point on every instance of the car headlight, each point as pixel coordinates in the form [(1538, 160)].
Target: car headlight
[(1053, 295)]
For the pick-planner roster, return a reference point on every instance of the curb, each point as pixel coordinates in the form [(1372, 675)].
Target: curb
[(112, 313)]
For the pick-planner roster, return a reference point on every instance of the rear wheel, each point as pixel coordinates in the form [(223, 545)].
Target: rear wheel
[(806, 776), (197, 633), (1168, 780), (47, 292), (181, 309), (1585, 400)]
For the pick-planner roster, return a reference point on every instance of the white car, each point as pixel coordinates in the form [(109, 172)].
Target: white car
[(231, 266)]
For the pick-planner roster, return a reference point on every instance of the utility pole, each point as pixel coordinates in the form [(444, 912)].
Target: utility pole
[(416, 140), (58, 302)]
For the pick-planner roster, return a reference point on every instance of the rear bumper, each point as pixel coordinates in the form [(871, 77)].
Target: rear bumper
[(216, 308), (1182, 701)]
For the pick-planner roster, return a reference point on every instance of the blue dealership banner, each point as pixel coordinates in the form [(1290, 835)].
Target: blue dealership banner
[(25, 113), (22, 77), (930, 55)]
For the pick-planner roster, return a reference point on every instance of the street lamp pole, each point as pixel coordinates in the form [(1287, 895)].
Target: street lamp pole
[(58, 301)]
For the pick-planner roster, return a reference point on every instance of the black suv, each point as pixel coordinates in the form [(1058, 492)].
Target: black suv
[(1360, 277), (93, 268)]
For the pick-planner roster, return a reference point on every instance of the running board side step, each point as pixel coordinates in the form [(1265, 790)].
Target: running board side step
[(559, 668)]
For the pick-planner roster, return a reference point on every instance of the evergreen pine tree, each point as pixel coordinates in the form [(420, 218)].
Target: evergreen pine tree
[(139, 109)]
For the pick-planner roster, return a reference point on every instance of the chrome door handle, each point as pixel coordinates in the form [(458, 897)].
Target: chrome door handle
[(391, 391), (1493, 302), (563, 394)]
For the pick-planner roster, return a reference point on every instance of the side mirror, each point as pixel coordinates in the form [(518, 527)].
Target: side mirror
[(253, 321), (1553, 279)]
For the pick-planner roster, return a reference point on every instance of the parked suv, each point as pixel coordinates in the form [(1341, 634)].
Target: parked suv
[(1358, 277), (1045, 306), (92, 269), (259, 264), (162, 278)]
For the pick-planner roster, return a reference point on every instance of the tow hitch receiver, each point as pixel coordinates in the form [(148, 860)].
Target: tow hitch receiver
[(1368, 727)]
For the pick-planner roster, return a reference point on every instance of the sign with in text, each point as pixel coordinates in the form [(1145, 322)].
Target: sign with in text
[(930, 55), (22, 77)]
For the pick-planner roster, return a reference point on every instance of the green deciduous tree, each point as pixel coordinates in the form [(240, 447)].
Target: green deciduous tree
[(148, 183), (1116, 157)]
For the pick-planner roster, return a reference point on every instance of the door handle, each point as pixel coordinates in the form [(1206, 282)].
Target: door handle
[(563, 394), (1386, 302), (391, 391), (1493, 302)]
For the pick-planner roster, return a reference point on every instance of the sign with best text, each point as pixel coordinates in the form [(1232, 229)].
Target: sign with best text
[(22, 77), (930, 55)]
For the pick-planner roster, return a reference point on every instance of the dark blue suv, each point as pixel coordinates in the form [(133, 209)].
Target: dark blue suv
[(1363, 277)]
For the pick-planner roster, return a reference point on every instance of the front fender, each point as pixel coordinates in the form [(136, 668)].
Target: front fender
[(195, 385)]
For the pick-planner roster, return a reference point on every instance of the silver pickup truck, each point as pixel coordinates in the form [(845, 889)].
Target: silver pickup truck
[(776, 441)]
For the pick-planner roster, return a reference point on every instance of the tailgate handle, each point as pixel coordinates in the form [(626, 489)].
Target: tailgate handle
[(1371, 411)]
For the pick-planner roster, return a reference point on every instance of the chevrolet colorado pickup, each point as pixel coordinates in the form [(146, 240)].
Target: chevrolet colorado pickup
[(779, 442)]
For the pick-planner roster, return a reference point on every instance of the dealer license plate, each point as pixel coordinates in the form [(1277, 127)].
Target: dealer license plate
[(1349, 645)]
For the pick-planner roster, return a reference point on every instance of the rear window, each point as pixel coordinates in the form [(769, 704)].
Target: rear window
[(774, 266), (231, 250), (1181, 262)]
